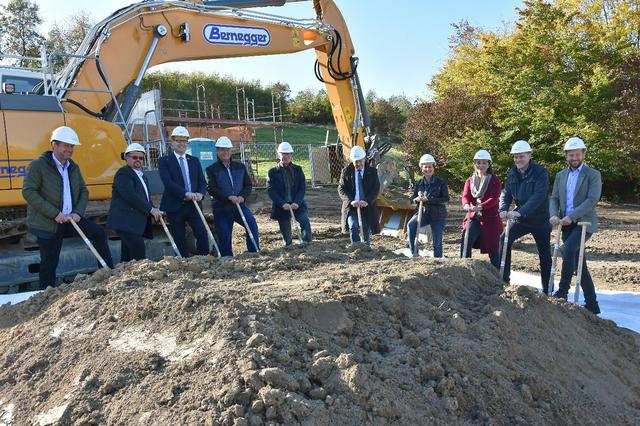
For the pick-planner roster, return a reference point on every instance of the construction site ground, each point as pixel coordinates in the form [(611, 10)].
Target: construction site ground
[(324, 334)]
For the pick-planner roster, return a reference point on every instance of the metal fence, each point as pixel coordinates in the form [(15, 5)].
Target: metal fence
[(321, 164)]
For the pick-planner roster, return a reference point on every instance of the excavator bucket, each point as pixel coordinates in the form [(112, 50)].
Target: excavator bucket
[(393, 203)]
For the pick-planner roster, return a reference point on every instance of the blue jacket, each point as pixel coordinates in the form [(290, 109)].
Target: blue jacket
[(437, 195), (530, 192), (129, 210), (220, 187), (171, 176), (277, 191)]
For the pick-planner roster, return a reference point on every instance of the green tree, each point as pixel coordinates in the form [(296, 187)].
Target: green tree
[(66, 38), (19, 20)]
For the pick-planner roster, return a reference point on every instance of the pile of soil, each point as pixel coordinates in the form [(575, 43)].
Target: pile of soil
[(313, 335)]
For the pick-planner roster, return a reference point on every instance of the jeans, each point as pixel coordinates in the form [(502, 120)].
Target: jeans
[(188, 214), (437, 229), (305, 227), (131, 246), (542, 237), (354, 228), (474, 232), (570, 253), (224, 221), (51, 245)]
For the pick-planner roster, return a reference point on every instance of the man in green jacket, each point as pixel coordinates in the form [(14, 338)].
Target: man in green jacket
[(55, 194)]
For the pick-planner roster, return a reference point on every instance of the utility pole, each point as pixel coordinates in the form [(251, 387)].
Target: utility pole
[(244, 101)]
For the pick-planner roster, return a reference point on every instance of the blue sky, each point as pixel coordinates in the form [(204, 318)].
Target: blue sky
[(400, 43)]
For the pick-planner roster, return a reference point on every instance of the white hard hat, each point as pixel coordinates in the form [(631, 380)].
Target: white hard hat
[(135, 147), (180, 132), (357, 153), (574, 143), (65, 134), (224, 142), (520, 147), (285, 148), (482, 155), (426, 159)]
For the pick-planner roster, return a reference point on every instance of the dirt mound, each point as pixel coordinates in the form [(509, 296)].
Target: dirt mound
[(321, 334)]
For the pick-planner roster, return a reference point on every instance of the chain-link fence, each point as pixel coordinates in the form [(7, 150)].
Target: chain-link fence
[(321, 164)]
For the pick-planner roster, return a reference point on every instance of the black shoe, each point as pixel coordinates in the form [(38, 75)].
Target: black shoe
[(561, 294), (594, 308)]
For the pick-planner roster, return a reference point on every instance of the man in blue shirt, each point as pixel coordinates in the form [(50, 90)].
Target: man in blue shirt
[(576, 191), (184, 183)]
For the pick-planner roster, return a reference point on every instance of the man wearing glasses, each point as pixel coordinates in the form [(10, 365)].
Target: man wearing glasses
[(131, 208), (183, 181)]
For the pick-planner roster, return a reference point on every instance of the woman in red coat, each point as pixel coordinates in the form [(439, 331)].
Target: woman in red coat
[(480, 198)]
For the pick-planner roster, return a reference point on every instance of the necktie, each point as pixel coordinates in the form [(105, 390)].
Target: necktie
[(185, 177), (360, 188)]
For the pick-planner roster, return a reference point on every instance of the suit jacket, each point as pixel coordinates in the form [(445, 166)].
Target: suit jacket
[(220, 187), (437, 195), (530, 192), (586, 196), (129, 210), (171, 176), (371, 188), (277, 191)]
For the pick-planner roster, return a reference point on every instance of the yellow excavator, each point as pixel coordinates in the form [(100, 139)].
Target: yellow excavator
[(96, 91)]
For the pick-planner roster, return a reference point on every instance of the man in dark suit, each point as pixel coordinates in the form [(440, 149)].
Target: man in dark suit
[(359, 187), (576, 191), (183, 181), (230, 185), (131, 206), (286, 187)]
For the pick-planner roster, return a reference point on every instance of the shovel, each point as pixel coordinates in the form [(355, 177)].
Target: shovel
[(206, 225), (505, 241), (583, 237), (466, 235), (360, 225), (415, 246), (88, 243), (554, 260), (166, 231), (246, 226), (297, 225)]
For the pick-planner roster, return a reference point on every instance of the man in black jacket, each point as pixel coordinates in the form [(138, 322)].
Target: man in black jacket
[(229, 184), (286, 187), (359, 187), (131, 207), (527, 185)]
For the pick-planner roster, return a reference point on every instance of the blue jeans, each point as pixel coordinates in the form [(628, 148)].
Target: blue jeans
[(305, 227), (188, 214), (354, 228), (570, 252), (474, 232), (437, 229), (51, 244), (542, 237), (224, 221)]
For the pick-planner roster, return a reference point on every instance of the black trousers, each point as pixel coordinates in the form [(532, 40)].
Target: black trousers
[(51, 244), (179, 219), (542, 237), (131, 246)]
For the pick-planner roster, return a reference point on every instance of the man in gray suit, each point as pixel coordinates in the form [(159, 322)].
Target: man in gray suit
[(576, 191)]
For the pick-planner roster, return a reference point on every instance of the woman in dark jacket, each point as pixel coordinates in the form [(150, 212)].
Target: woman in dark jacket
[(480, 198), (434, 194)]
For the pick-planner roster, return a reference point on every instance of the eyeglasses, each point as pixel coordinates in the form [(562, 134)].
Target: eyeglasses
[(136, 157)]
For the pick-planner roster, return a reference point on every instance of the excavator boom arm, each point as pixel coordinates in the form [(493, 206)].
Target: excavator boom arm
[(118, 51)]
